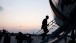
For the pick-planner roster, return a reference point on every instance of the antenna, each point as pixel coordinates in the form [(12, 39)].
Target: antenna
[(20, 28)]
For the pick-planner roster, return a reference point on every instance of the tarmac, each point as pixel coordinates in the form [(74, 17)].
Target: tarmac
[(37, 39)]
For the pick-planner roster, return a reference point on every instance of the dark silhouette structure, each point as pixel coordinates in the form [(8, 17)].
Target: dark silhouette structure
[(7, 38), (4, 32), (73, 36), (44, 27), (65, 39), (0, 35), (19, 37), (66, 2), (29, 40)]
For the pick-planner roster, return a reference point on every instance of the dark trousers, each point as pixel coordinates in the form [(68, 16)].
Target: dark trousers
[(45, 33)]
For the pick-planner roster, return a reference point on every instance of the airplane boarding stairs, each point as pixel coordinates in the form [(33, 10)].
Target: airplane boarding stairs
[(61, 32), (38, 34), (57, 35)]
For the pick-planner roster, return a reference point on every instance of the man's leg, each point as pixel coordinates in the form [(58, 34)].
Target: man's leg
[(45, 33)]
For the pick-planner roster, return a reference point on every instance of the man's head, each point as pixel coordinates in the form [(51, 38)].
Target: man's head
[(47, 17)]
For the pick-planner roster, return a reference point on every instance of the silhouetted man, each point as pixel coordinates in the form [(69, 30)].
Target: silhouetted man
[(44, 27), (7, 38), (19, 37)]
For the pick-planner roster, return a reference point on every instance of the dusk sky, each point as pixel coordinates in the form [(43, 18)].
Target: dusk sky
[(25, 13)]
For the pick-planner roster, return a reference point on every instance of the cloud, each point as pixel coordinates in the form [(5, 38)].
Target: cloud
[(1, 8)]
